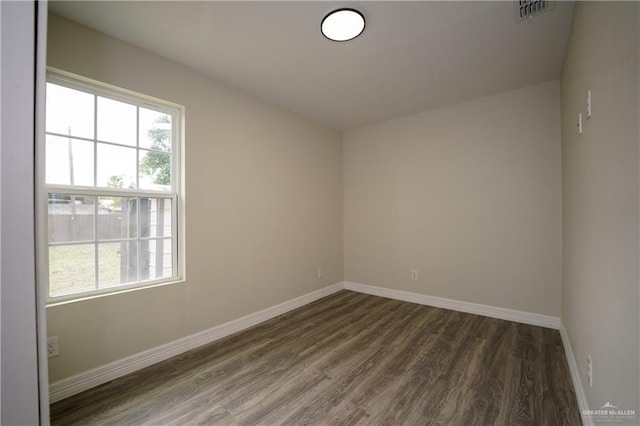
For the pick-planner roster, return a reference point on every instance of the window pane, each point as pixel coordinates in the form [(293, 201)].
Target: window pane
[(70, 218), (155, 170), (116, 122), (155, 130), (156, 259), (69, 161), (71, 269), (155, 217), (116, 166), (107, 239), (117, 263), (69, 112), (117, 218)]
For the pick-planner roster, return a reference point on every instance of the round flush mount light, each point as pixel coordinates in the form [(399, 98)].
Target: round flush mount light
[(343, 25)]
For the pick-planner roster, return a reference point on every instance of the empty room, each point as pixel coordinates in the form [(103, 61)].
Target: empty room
[(267, 213)]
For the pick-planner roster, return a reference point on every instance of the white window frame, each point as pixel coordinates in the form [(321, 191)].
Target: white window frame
[(176, 194)]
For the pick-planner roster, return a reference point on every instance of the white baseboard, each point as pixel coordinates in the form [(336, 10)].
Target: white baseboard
[(86, 380), (457, 305), (581, 396)]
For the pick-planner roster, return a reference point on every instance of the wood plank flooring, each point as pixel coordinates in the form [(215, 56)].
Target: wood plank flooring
[(349, 358)]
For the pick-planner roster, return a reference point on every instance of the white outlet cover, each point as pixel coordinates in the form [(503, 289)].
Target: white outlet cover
[(53, 347)]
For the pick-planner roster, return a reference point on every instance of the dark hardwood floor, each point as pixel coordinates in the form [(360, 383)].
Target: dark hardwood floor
[(349, 358)]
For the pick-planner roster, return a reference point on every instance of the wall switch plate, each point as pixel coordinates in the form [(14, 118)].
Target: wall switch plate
[(53, 347), (320, 273), (588, 104), (414, 275)]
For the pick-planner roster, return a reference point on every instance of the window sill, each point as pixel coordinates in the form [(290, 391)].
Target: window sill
[(64, 300)]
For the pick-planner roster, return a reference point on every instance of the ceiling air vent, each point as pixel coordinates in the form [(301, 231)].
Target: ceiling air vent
[(527, 9)]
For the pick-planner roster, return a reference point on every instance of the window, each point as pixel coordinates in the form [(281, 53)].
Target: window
[(111, 182)]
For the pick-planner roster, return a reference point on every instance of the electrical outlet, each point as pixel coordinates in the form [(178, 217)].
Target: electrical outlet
[(53, 347), (414, 275), (320, 273), (589, 370), (588, 104)]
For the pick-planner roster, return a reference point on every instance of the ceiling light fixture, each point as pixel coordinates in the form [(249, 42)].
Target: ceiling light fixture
[(342, 25)]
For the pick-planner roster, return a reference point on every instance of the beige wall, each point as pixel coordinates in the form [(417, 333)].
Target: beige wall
[(600, 199), (468, 195), (263, 208)]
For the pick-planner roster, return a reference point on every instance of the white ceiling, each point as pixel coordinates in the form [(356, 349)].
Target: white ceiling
[(412, 56)]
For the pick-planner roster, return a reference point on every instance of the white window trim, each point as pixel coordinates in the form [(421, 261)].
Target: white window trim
[(176, 194)]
